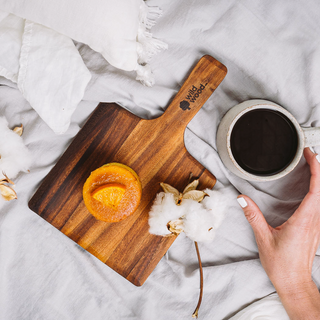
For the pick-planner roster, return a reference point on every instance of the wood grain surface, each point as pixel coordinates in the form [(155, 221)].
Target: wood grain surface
[(154, 149)]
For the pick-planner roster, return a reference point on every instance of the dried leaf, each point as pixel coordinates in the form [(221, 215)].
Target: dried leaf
[(196, 195), (18, 130), (7, 192), (191, 186), (175, 226), (168, 189), (6, 179), (178, 200)]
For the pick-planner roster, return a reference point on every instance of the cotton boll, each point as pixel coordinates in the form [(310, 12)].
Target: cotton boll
[(219, 202), (200, 220), (164, 209), (200, 224), (15, 156)]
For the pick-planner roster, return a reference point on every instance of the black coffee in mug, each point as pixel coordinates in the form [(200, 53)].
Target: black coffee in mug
[(263, 142)]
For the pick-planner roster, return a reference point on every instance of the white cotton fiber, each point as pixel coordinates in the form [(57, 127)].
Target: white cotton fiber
[(203, 219), (15, 156), (163, 210), (199, 224), (200, 220)]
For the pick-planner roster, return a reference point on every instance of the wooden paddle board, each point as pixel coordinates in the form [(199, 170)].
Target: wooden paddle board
[(154, 149)]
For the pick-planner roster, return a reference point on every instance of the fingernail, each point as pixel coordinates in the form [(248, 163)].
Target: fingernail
[(318, 158), (242, 202), (311, 149)]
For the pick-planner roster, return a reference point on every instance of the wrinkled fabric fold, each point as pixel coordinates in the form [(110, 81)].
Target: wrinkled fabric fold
[(271, 49), (46, 66), (119, 30), (52, 76)]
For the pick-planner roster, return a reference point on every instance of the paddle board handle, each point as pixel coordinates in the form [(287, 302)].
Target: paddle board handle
[(195, 91)]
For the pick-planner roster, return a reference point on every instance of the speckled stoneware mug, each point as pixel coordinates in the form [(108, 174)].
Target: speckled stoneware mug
[(234, 143)]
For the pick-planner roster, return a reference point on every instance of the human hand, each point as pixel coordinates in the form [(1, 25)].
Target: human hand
[(287, 252)]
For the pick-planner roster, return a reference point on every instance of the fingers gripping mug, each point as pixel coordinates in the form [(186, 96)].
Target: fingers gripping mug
[(259, 140)]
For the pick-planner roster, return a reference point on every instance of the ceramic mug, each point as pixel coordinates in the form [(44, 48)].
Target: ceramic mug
[(305, 137)]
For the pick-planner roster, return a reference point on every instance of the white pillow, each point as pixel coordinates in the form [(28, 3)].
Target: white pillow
[(46, 66), (11, 30), (118, 29), (52, 75)]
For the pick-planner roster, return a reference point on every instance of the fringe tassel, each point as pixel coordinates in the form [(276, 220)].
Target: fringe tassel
[(147, 46), (149, 15), (145, 75)]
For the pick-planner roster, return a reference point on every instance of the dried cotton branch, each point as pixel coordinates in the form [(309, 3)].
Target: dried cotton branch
[(190, 196), (196, 311), (173, 212)]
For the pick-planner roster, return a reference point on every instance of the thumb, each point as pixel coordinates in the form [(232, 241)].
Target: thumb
[(255, 217)]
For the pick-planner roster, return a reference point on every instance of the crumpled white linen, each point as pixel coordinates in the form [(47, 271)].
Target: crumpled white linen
[(268, 308), (47, 67), (11, 30), (119, 30), (37, 51), (271, 50), (14, 155)]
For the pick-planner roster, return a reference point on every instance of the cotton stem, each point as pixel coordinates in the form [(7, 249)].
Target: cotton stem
[(196, 311)]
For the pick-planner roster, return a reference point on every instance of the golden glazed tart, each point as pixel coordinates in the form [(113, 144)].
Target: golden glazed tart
[(112, 192)]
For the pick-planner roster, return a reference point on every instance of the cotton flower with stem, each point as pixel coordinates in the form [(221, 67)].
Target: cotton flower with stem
[(188, 211), (176, 226)]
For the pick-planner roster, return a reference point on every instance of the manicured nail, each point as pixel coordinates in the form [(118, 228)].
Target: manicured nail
[(311, 149), (242, 202), (318, 158)]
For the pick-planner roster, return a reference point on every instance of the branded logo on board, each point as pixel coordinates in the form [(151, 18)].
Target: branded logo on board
[(192, 95), (185, 105)]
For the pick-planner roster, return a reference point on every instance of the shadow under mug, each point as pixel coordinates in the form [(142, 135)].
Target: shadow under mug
[(305, 137)]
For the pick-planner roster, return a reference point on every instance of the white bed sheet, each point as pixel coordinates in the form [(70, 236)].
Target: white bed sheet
[(272, 51)]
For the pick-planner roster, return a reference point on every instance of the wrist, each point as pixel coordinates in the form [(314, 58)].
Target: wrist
[(295, 289), (301, 300)]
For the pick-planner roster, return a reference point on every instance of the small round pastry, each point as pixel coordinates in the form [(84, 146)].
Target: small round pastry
[(112, 192)]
